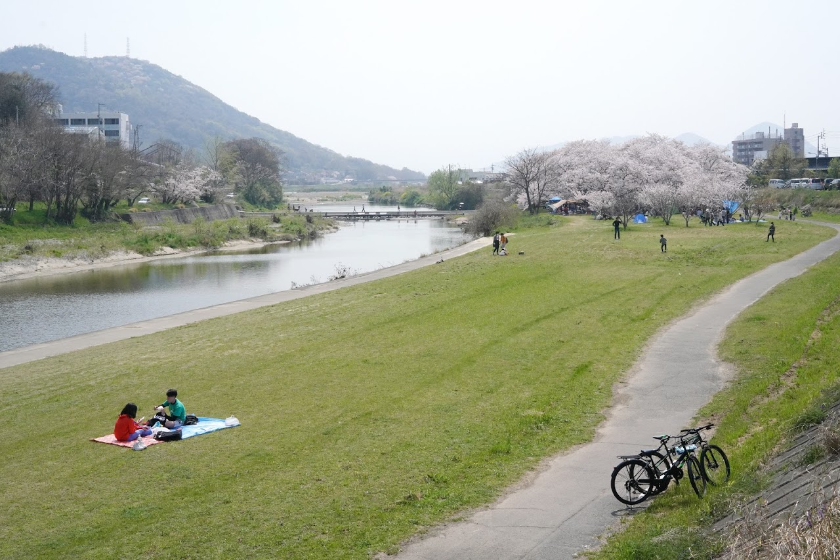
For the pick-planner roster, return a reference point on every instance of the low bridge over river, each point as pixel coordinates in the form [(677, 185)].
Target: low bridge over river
[(367, 216)]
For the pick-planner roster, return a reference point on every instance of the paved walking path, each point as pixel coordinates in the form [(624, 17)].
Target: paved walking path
[(565, 509), (56, 347)]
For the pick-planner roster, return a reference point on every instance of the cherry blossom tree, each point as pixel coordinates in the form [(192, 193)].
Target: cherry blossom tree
[(185, 184)]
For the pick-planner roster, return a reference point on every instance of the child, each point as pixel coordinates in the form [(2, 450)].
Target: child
[(177, 413), (663, 243), (126, 429)]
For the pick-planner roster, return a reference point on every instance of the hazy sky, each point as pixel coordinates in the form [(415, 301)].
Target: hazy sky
[(426, 83)]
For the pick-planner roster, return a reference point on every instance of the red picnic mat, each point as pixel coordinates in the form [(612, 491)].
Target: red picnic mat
[(148, 440)]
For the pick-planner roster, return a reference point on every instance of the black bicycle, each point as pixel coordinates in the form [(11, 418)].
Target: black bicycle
[(714, 464), (641, 476), (633, 481), (684, 463)]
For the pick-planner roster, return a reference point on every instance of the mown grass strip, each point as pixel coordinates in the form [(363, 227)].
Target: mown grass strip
[(367, 413), (786, 349)]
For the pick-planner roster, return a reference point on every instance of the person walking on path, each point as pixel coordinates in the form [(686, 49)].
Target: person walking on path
[(616, 232), (663, 243), (502, 242), (496, 241), (771, 234)]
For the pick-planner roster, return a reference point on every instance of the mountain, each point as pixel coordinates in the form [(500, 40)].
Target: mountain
[(168, 107)]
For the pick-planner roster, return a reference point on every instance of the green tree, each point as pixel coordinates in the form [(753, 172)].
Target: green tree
[(411, 198), (23, 97), (252, 165), (782, 163), (834, 168), (443, 185)]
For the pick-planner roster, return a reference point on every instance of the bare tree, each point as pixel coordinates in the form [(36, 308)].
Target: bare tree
[(531, 174)]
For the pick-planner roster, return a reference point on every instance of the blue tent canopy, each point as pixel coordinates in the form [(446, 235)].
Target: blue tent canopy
[(555, 199), (639, 219), (731, 205)]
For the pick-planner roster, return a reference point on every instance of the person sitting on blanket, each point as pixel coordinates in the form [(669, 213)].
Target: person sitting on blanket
[(126, 429), (177, 413)]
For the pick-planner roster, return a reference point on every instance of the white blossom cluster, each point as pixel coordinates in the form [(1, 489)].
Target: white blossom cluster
[(651, 174)]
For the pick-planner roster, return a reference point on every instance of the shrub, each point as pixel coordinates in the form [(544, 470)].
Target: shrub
[(491, 216)]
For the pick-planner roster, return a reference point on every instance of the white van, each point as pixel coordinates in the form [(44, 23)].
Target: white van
[(814, 183), (798, 183), (777, 183)]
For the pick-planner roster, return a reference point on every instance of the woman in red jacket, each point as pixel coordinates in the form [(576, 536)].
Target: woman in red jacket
[(126, 429)]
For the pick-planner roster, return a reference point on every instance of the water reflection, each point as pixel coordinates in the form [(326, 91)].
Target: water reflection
[(49, 308)]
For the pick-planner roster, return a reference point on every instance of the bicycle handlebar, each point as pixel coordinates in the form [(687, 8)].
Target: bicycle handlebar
[(696, 430)]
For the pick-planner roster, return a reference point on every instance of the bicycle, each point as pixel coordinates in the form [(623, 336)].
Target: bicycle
[(665, 469), (714, 464), (649, 473)]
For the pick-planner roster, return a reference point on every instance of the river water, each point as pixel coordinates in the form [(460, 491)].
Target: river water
[(53, 307)]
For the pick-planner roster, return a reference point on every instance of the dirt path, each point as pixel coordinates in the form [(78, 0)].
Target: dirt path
[(568, 505)]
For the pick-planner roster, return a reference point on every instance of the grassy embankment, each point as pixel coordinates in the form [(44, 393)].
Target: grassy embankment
[(367, 413), (787, 351), (29, 236)]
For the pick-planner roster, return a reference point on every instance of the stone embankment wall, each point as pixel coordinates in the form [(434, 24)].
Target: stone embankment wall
[(183, 215), (797, 486)]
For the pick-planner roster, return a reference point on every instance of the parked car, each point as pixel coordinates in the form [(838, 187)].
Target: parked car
[(230, 195), (798, 183), (832, 184), (814, 183), (777, 183), (144, 200)]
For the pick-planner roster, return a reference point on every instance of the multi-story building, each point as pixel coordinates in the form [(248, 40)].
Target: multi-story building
[(748, 150), (795, 138), (111, 125)]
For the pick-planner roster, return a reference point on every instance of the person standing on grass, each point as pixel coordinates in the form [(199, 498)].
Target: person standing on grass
[(502, 242), (126, 428), (663, 243), (771, 234), (616, 232), (496, 240)]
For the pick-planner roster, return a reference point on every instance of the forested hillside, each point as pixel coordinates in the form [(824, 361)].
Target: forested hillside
[(166, 106)]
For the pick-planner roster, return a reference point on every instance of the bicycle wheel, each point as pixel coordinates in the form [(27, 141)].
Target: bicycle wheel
[(715, 465), (695, 476), (659, 464), (632, 482)]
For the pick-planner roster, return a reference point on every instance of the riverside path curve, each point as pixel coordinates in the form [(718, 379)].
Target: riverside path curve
[(568, 505), (33, 352)]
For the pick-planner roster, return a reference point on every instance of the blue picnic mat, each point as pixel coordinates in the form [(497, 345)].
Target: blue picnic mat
[(204, 426)]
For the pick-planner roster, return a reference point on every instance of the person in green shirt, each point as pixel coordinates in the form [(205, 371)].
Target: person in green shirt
[(177, 413)]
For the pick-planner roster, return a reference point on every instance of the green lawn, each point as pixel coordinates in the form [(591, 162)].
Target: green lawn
[(367, 413), (769, 400)]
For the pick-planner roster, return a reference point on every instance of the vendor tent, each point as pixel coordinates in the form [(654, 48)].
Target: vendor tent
[(639, 219)]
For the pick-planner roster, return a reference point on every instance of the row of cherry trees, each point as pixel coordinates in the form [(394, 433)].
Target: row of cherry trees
[(653, 173)]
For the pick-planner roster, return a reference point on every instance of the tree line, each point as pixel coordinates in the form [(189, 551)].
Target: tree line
[(72, 174), (651, 174)]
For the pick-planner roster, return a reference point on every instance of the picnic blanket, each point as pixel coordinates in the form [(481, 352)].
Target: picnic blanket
[(204, 426)]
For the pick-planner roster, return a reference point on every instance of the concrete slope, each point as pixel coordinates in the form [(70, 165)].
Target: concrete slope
[(56, 347), (568, 505)]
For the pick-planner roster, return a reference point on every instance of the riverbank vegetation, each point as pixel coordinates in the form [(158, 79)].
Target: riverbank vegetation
[(29, 237), (368, 413), (786, 350)]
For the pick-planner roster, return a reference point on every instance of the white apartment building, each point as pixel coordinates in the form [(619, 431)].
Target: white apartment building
[(113, 126)]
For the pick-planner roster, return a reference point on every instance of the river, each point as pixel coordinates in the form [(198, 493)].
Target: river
[(43, 309)]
